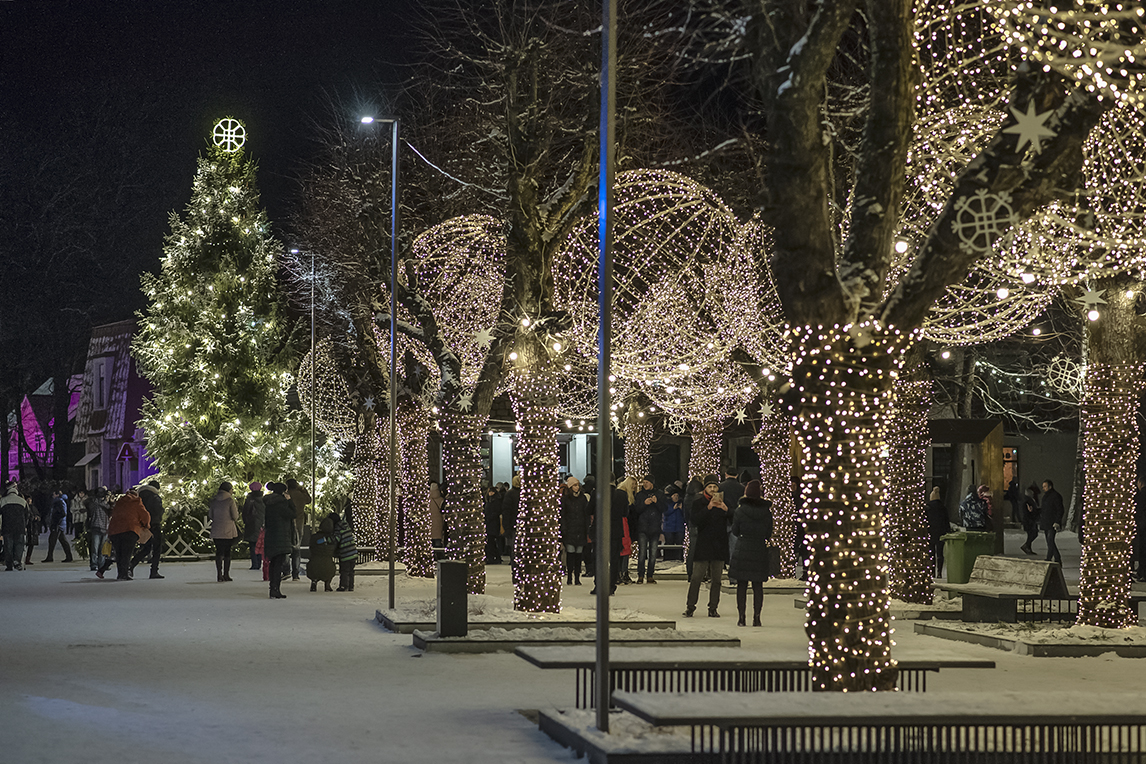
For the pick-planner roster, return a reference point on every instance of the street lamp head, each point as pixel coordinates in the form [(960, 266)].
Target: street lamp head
[(368, 120)]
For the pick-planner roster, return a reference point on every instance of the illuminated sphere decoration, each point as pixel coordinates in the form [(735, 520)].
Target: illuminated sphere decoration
[(1099, 45), (333, 413)]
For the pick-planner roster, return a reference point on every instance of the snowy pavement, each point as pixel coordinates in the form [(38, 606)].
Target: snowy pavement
[(189, 670)]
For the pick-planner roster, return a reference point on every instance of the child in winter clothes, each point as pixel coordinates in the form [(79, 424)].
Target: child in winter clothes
[(320, 567), (345, 552)]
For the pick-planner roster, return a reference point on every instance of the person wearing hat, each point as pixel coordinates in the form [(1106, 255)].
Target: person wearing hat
[(153, 503), (647, 510), (279, 518), (14, 514), (672, 520), (254, 515), (710, 546), (752, 527), (938, 526), (574, 528)]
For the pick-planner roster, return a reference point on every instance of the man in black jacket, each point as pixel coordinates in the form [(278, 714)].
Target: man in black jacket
[(153, 503), (711, 518), (57, 526), (1050, 518), (647, 509)]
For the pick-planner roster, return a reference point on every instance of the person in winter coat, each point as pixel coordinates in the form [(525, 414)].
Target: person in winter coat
[(1051, 516), (14, 527), (938, 525), (437, 523), (491, 513), (299, 498), (128, 520), (320, 566), (98, 517), (153, 503), (710, 517), (224, 529), (589, 488), (629, 486), (254, 515), (974, 511), (1030, 515), (752, 527), (672, 522), (33, 536), (58, 526), (279, 522), (574, 528), (346, 551), (647, 511), (509, 506), (618, 510)]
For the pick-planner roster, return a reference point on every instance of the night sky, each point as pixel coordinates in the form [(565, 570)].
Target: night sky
[(161, 72)]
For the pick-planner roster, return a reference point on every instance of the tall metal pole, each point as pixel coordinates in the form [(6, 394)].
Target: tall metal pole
[(393, 348), (604, 350), (313, 393)]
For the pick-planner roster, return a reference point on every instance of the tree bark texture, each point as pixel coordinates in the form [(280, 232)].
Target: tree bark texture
[(462, 511), (704, 452), (1110, 404), (773, 445), (413, 486), (907, 532), (842, 387), (537, 543)]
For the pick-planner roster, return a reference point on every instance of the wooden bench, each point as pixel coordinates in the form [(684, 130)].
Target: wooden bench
[(998, 584), (900, 727), (711, 669)]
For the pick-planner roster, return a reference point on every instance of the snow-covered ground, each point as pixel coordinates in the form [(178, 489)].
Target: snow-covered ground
[(190, 670)]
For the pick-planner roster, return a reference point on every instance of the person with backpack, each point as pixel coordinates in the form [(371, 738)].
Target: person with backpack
[(974, 511)]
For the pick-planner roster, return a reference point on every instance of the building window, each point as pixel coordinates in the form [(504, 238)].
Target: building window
[(101, 383)]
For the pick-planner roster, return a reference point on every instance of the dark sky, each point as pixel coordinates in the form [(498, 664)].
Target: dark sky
[(161, 72)]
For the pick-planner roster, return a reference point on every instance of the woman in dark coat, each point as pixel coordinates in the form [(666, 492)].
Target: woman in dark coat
[(752, 526), (320, 566), (277, 539), (938, 526), (574, 528)]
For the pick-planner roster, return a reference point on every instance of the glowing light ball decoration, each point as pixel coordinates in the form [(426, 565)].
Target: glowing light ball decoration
[(841, 391), (537, 543), (414, 490), (907, 532), (667, 230), (1100, 45), (773, 445), (332, 411)]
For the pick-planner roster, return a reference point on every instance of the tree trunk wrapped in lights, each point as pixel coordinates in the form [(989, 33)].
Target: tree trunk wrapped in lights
[(638, 437), (370, 497), (841, 393), (414, 488), (704, 454), (773, 445), (462, 512), (1113, 386), (908, 535), (537, 543)]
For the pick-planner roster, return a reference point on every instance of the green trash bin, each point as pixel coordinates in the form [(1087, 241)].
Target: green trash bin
[(960, 550)]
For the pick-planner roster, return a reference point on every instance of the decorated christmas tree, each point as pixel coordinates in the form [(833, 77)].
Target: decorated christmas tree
[(215, 339)]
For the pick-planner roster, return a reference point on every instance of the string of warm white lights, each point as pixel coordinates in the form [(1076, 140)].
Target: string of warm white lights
[(841, 389), (1101, 45), (371, 499), (638, 437), (333, 413), (773, 444), (907, 533), (706, 448), (537, 544)]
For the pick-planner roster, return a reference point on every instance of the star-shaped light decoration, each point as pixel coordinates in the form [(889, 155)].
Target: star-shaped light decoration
[(741, 415), (484, 338), (1030, 127), (1092, 298), (369, 402), (765, 410), (466, 402)]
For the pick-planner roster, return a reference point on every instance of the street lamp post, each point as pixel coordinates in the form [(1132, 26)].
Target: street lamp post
[(393, 339), (313, 391)]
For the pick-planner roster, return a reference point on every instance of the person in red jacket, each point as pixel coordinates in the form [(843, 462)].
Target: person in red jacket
[(128, 520)]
